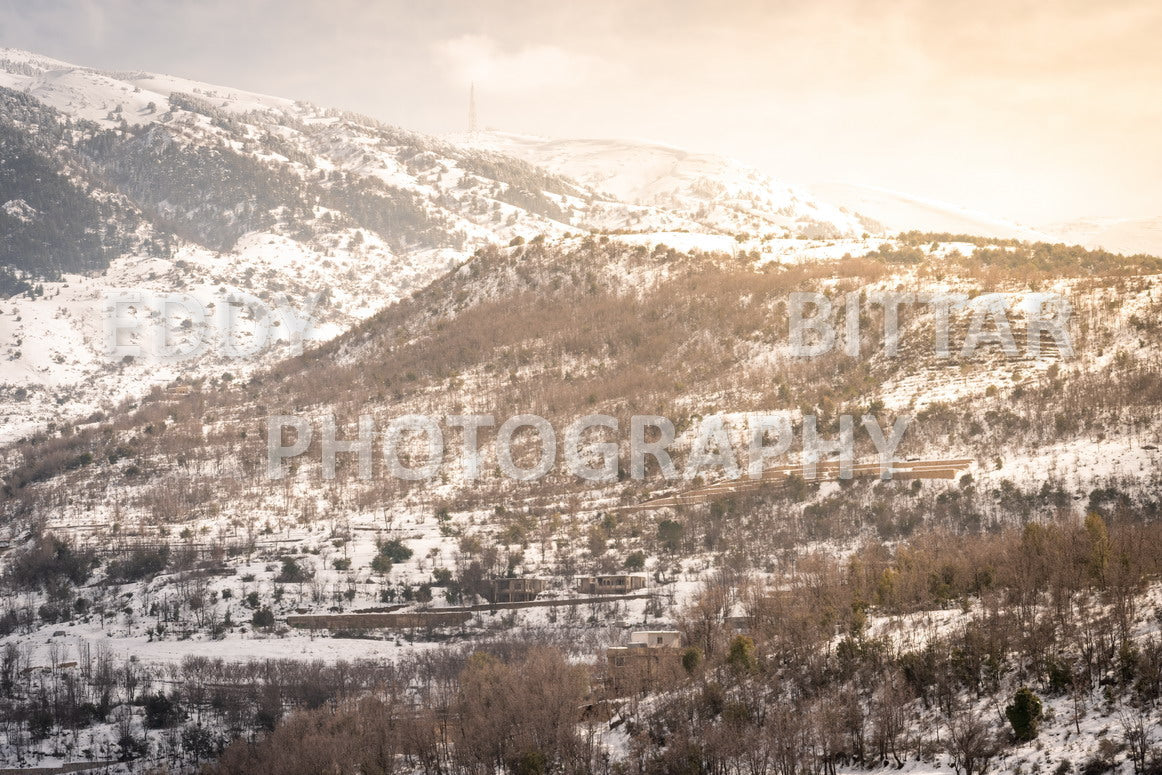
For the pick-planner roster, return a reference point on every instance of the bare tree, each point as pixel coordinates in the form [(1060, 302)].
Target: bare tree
[(971, 743)]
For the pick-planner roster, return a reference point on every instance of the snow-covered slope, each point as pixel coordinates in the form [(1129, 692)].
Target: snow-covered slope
[(90, 94), (719, 193), (224, 190), (230, 191), (898, 212), (53, 346), (1120, 235)]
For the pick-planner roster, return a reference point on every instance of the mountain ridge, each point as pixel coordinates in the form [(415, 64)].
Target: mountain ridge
[(217, 187)]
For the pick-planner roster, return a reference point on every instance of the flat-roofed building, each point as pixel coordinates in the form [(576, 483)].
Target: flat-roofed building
[(649, 657), (515, 590), (617, 584)]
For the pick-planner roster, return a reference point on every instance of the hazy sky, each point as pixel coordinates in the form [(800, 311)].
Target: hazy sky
[(1034, 110)]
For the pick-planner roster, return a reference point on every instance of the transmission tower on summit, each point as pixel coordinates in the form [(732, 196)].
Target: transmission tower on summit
[(472, 107)]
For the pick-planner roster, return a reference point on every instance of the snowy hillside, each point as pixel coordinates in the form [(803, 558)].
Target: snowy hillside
[(222, 190), (720, 194), (1121, 235), (226, 190), (332, 447), (898, 211), (152, 540)]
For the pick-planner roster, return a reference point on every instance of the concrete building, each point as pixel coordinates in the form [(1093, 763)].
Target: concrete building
[(649, 657), (620, 584), (515, 590)]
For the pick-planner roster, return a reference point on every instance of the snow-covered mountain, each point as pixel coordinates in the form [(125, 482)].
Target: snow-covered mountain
[(899, 211), (131, 180), (113, 181), (1120, 235), (150, 559), (718, 193)]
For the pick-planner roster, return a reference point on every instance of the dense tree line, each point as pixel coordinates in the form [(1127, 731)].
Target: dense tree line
[(52, 218)]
